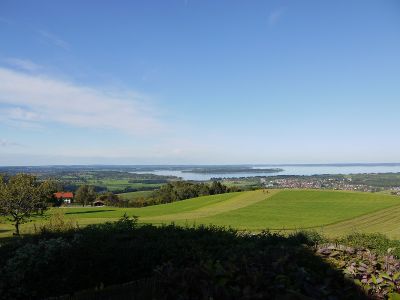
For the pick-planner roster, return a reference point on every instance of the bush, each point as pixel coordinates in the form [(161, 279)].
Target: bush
[(181, 262), (309, 237), (58, 223), (372, 241), (35, 264)]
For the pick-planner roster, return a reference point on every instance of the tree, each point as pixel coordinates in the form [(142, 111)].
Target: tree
[(49, 188), (110, 199), (217, 188), (85, 194), (21, 197)]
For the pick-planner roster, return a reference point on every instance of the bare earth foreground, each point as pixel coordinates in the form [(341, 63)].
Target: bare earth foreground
[(334, 213)]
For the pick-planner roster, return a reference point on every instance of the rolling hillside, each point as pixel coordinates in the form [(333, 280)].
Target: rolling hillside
[(331, 212)]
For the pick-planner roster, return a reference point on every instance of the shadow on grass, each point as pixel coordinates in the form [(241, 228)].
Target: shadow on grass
[(123, 260), (89, 212)]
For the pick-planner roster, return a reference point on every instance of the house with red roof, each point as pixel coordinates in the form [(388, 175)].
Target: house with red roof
[(66, 197)]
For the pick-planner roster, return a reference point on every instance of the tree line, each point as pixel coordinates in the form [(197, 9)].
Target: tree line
[(181, 190), (167, 193), (170, 192)]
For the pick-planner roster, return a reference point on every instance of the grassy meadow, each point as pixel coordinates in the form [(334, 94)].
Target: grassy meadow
[(135, 195), (332, 212), (120, 184)]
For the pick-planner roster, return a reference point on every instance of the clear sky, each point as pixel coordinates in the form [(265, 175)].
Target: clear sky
[(201, 82)]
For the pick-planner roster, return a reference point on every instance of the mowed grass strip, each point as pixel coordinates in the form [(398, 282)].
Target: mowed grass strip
[(297, 209), (239, 201), (135, 195), (386, 221)]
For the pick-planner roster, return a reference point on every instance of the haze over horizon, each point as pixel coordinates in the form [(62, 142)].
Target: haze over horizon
[(199, 82)]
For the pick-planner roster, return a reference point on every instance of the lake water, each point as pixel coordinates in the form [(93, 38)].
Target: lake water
[(288, 170)]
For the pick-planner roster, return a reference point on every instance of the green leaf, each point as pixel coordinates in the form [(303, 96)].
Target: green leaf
[(358, 282), (386, 276), (394, 296), (391, 250), (373, 278), (396, 276)]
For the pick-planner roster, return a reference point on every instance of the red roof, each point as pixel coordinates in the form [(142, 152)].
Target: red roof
[(64, 195)]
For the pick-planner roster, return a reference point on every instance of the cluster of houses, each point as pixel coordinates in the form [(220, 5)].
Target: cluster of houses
[(395, 191), (68, 197), (316, 183)]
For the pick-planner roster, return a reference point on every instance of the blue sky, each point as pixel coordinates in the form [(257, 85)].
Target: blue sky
[(181, 82)]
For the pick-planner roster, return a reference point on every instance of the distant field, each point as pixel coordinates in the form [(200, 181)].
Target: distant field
[(120, 184), (332, 212), (150, 211), (135, 195)]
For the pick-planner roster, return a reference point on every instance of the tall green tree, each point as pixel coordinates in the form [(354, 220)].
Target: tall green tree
[(85, 194), (217, 188), (49, 187), (21, 197)]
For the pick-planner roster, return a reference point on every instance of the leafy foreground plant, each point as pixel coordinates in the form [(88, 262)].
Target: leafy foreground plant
[(378, 275), (169, 262)]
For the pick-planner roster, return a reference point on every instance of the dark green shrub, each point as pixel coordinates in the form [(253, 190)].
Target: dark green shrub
[(373, 241), (181, 262)]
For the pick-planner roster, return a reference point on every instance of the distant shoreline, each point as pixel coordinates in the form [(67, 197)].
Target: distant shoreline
[(184, 166), (230, 170)]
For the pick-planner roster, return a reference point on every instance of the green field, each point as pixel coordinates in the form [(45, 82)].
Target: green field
[(135, 195), (303, 209), (332, 212), (120, 184)]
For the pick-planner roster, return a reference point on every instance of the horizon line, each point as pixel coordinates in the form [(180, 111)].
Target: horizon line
[(188, 165)]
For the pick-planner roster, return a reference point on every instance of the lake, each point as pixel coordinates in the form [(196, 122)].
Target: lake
[(287, 170)]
